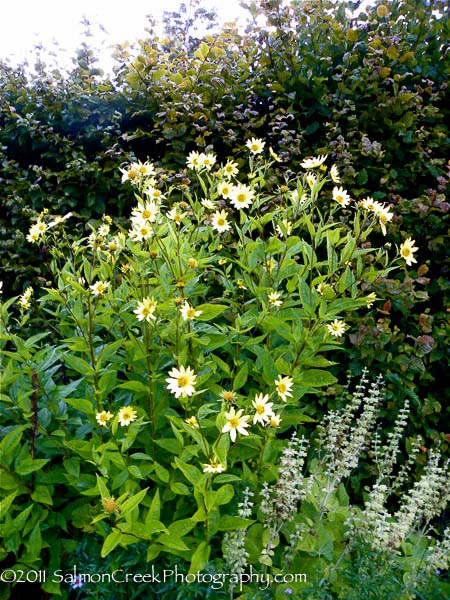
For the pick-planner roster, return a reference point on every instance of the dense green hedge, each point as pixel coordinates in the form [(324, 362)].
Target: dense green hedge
[(372, 90)]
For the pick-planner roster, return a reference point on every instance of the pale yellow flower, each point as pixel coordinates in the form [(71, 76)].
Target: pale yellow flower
[(241, 284), (334, 174), (141, 230), (145, 212), (274, 155), (255, 145), (24, 300), (219, 221), (341, 196), (99, 288), (208, 160), (192, 421), (236, 423), (274, 420), (154, 193), (407, 250), (175, 216), (311, 180), (136, 171), (369, 204), (194, 160), (214, 466), (228, 396), (315, 161), (209, 204), (284, 386), (225, 189), (263, 409), (192, 263), (181, 382), (384, 216), (230, 169), (371, 299), (126, 415), (36, 231), (188, 312), (284, 229), (270, 265), (103, 230), (145, 309), (337, 328), (103, 417), (58, 219), (242, 196), (274, 299)]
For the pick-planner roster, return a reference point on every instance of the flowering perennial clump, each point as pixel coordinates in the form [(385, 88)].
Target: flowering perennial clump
[(194, 341)]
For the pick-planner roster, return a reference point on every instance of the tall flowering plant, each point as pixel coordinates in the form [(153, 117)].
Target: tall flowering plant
[(183, 343)]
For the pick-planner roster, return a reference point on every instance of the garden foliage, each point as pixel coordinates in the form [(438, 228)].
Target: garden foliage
[(372, 90), (181, 352), (185, 289)]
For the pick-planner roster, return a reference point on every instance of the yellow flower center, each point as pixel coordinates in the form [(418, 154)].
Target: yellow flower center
[(260, 409), (234, 422), (228, 396), (221, 222), (183, 381), (281, 387), (241, 198), (406, 251)]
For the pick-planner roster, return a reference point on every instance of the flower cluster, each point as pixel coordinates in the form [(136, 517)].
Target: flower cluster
[(234, 552), (342, 438), (280, 501), (125, 416), (25, 299)]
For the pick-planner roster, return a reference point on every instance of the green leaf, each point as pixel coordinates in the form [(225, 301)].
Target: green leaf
[(102, 489), (200, 557), (229, 523), (133, 501), (170, 445), (150, 527), (78, 364), (241, 377), (171, 541), (10, 442), (162, 473), (182, 527), (34, 544), (42, 494), (135, 386), (81, 404), (154, 512), (224, 494), (179, 488), (29, 465), (111, 541), (315, 378), (210, 311), (6, 503), (192, 474)]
